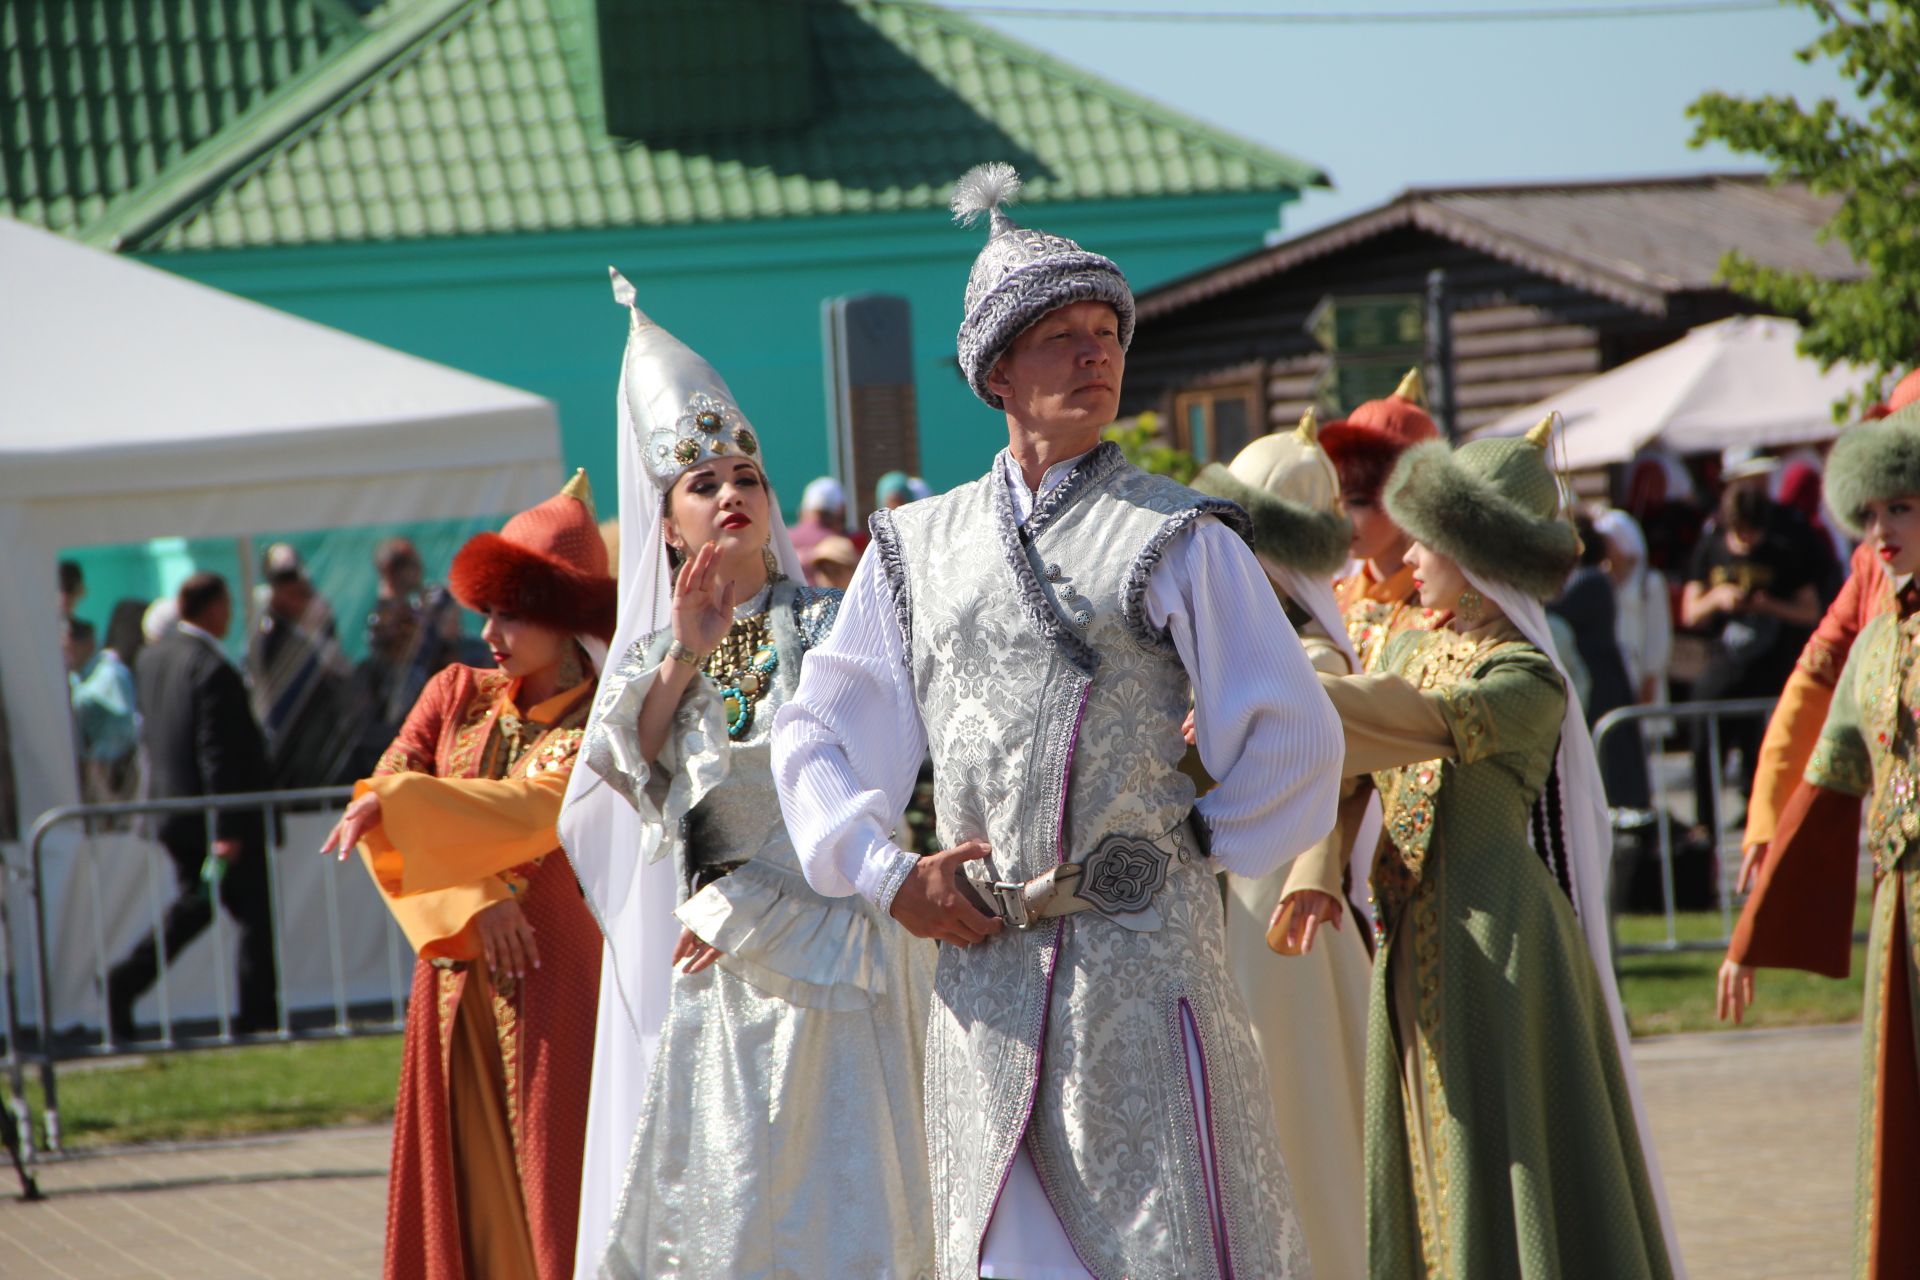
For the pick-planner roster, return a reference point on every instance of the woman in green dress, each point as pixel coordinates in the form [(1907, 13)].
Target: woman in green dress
[(1502, 1132), (1869, 747)]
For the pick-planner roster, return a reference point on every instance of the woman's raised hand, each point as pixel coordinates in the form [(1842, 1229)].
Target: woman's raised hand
[(703, 600)]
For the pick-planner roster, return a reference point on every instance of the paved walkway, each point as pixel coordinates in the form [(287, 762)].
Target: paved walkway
[(1756, 1130)]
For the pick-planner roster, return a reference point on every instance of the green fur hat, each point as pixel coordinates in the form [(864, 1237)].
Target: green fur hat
[(1286, 482), (1875, 460), (1492, 507)]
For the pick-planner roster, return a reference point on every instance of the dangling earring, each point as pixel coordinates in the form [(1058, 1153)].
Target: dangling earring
[(772, 562), (1470, 606)]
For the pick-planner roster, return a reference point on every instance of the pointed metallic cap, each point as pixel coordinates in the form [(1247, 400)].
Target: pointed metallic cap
[(682, 412), (1308, 429), (1412, 388), (580, 491)]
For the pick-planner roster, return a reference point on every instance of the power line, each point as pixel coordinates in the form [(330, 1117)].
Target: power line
[(1429, 17)]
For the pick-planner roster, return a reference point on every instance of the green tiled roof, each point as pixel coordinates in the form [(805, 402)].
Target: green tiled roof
[(103, 97), (467, 117)]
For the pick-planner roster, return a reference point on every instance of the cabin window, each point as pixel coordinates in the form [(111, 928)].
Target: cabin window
[(1215, 424)]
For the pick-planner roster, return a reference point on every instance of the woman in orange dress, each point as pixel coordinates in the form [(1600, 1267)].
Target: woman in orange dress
[(457, 827)]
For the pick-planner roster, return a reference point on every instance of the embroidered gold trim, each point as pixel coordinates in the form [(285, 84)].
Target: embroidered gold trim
[(1409, 793), (1426, 954)]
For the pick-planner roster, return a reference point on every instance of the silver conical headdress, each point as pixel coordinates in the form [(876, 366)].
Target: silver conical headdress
[(682, 412)]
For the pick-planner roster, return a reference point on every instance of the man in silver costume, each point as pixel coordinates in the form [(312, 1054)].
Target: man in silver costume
[(1095, 1105)]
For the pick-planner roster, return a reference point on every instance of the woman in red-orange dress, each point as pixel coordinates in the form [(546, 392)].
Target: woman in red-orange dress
[(457, 826)]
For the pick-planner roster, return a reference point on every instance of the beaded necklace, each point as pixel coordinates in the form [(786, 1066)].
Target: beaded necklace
[(742, 665)]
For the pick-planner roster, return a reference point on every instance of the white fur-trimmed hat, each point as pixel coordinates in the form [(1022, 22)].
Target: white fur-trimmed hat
[(1021, 275)]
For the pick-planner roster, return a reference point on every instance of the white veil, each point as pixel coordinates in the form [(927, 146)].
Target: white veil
[(632, 893), (1589, 852)]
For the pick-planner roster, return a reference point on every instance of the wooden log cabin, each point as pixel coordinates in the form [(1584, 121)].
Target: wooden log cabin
[(1548, 283)]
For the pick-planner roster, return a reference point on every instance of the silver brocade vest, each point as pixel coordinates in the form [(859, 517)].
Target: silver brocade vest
[(1053, 714)]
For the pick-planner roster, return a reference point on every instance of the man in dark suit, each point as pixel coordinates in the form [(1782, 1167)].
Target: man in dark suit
[(201, 739)]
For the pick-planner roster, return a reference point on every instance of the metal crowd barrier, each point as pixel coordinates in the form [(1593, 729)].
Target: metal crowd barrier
[(50, 1045), (1667, 720)]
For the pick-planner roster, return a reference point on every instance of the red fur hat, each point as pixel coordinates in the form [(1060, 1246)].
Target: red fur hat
[(1362, 456), (548, 566), (1365, 445)]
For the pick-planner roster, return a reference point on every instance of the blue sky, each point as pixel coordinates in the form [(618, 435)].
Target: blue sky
[(1383, 106)]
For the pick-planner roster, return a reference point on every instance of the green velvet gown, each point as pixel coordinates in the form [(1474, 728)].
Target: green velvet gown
[(1871, 746), (1500, 1132)]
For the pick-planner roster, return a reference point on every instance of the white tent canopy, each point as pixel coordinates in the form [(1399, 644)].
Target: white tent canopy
[(1733, 382), (136, 404)]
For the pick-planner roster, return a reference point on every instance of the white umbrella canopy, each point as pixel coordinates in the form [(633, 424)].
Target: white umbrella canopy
[(1737, 381)]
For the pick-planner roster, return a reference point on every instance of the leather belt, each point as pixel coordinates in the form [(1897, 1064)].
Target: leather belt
[(1119, 877)]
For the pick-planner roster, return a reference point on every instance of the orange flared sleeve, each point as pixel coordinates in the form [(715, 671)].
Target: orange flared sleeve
[(1782, 759), (1800, 915), (457, 830), (438, 925), (1802, 709)]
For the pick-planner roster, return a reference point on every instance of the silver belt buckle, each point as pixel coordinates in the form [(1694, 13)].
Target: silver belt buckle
[(1010, 896)]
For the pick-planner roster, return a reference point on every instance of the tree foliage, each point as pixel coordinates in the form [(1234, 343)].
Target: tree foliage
[(1867, 153), (1139, 439)]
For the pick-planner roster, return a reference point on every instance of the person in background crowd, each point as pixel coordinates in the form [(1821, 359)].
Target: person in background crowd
[(918, 489), (1588, 605), (834, 560), (1642, 609), (160, 618), (385, 685), (1753, 590), (102, 693), (299, 677), (894, 489), (202, 740), (403, 574), (73, 587), (457, 829), (1745, 466), (1800, 494), (126, 633), (1661, 496), (1377, 598), (823, 515)]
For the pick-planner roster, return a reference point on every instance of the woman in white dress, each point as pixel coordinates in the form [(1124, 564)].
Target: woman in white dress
[(1309, 1002), (779, 1132)]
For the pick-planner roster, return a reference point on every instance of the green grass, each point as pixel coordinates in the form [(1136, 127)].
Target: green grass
[(1675, 991), (218, 1093)]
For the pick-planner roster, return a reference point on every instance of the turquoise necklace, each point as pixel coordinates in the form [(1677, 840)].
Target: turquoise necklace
[(742, 666)]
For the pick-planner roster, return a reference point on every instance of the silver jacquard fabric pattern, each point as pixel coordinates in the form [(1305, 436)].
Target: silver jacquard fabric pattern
[(1053, 715), (772, 1141)]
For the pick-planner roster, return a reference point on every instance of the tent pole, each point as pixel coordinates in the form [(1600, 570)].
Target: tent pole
[(249, 608)]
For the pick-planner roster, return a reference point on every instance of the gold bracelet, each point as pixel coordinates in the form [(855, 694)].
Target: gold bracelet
[(677, 652)]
